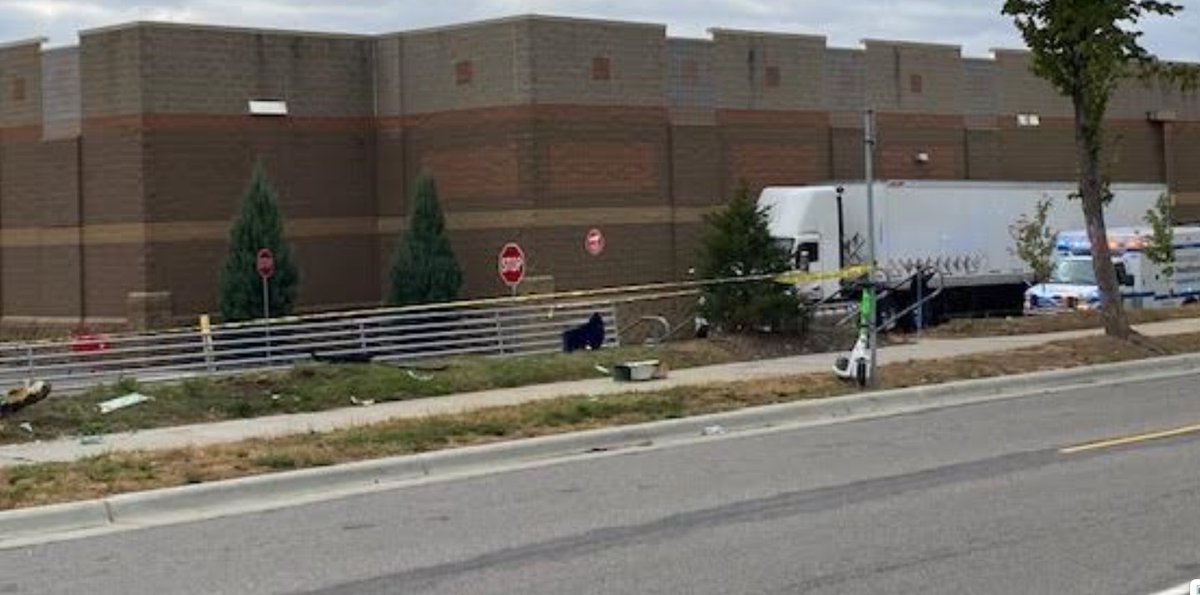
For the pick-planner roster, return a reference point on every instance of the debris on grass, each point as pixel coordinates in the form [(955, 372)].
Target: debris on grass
[(419, 377), (361, 402), (124, 402), (23, 396), (28, 427), (639, 371), (425, 367), (342, 358)]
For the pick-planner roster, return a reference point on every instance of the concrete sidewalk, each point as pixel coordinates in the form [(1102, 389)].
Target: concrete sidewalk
[(266, 427)]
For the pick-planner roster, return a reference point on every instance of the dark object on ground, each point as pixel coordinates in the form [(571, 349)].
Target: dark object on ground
[(343, 358), (423, 368), (24, 396), (587, 336)]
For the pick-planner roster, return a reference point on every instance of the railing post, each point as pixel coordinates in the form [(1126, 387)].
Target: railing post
[(616, 323), (500, 344), (29, 363), (920, 300), (206, 342)]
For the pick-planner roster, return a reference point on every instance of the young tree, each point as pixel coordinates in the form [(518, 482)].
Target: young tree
[(738, 244), (424, 268), (1085, 49), (1034, 240), (259, 226), (1161, 248)]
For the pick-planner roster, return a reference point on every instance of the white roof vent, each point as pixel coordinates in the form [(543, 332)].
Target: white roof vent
[(1029, 120), (268, 107)]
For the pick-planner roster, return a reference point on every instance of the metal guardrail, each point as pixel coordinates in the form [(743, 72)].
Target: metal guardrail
[(850, 308), (489, 327), (398, 335)]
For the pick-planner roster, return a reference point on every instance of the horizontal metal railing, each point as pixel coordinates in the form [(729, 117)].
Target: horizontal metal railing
[(486, 327)]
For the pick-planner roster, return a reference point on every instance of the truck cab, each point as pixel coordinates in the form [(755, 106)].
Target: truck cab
[(804, 221), (1071, 286)]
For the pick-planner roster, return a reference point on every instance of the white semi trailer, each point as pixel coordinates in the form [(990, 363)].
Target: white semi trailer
[(957, 230)]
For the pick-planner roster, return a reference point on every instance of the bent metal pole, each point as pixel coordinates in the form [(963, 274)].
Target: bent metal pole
[(869, 169)]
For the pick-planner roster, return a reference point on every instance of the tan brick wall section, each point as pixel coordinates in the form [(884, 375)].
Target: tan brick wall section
[(110, 273), (39, 184), (891, 68), (322, 75), (499, 55), (563, 51), (41, 281), (741, 60), (20, 85), (110, 67)]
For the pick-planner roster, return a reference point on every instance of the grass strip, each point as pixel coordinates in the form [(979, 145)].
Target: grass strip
[(318, 387)]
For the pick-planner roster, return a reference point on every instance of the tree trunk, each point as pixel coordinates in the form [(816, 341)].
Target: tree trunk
[(1092, 191)]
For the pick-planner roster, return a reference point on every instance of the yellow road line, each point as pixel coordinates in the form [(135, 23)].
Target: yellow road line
[(1115, 442)]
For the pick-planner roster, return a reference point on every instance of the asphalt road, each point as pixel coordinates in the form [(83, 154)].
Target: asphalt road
[(979, 499)]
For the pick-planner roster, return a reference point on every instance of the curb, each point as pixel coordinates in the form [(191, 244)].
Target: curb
[(58, 518), (264, 492)]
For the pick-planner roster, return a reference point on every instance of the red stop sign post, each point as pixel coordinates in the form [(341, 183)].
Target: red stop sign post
[(264, 263), (594, 242), (511, 265)]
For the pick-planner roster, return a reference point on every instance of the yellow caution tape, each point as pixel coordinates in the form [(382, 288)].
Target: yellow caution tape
[(797, 277)]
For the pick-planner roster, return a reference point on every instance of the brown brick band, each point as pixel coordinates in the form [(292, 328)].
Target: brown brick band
[(198, 231)]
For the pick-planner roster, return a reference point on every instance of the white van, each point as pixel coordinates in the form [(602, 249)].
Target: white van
[(1072, 283)]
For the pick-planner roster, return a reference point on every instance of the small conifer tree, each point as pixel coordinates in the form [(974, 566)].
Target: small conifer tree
[(259, 226), (424, 268)]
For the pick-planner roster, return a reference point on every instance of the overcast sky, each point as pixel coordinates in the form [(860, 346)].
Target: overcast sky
[(974, 24)]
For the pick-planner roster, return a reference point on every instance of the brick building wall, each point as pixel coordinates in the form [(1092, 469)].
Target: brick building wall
[(123, 160)]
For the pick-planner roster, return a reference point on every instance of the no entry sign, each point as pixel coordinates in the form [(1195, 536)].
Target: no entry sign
[(265, 263), (594, 242), (512, 264)]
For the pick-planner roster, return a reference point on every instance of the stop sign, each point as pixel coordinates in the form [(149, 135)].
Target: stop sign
[(512, 264), (594, 242), (265, 263)]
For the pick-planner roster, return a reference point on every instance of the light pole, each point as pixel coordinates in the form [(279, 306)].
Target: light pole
[(872, 296)]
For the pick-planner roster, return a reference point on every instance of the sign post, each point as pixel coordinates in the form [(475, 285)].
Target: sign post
[(510, 265), (264, 263), (873, 296)]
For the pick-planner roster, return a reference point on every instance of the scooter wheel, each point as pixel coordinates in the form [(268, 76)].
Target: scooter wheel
[(860, 374)]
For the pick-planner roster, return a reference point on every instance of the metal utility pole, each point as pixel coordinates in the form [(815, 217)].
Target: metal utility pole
[(872, 297)]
